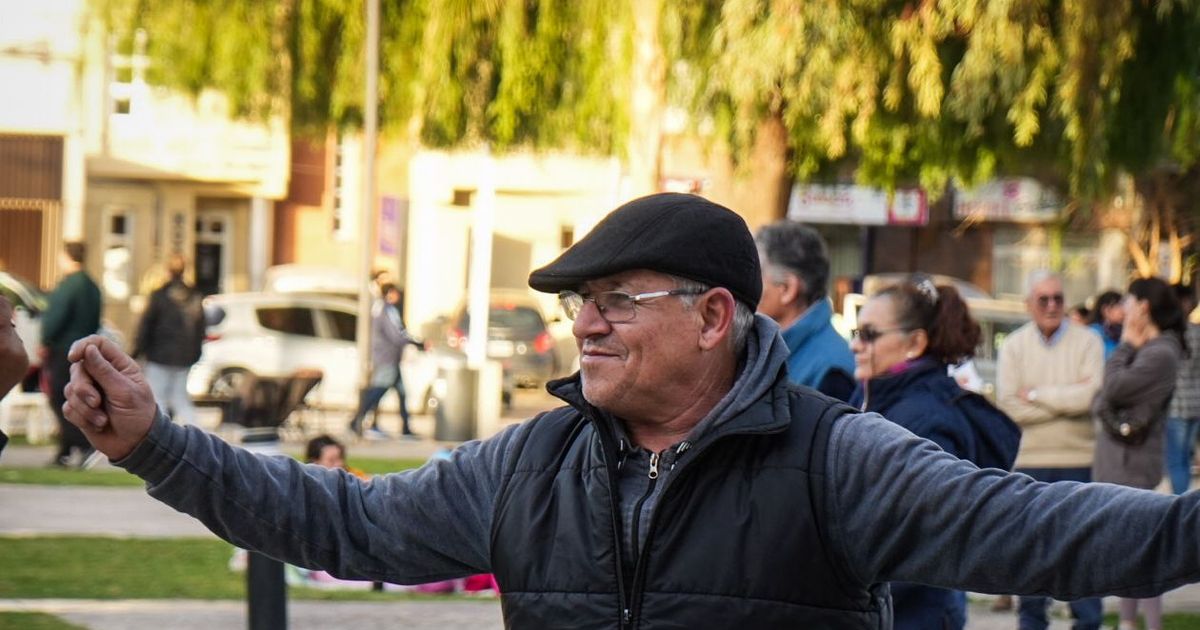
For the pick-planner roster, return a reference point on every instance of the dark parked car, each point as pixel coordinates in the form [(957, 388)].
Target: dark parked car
[(517, 338)]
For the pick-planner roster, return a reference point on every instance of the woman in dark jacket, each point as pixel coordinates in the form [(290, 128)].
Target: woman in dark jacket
[(1139, 379), (907, 336)]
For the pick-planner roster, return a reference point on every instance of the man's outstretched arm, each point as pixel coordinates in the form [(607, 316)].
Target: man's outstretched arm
[(903, 510), (409, 527)]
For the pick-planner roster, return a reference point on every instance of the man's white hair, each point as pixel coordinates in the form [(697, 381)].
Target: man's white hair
[(1038, 276)]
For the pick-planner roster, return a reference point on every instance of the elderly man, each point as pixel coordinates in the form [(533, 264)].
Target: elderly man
[(685, 483), (795, 274), (1048, 372)]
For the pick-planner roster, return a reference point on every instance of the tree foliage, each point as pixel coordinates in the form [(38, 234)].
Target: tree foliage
[(506, 72), (929, 90)]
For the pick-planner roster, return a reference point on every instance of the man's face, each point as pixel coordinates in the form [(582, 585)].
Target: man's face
[(1114, 314), (1045, 304), (772, 303), (331, 456), (643, 367)]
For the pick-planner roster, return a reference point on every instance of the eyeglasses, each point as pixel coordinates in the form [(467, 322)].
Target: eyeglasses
[(869, 335), (1044, 300), (614, 306)]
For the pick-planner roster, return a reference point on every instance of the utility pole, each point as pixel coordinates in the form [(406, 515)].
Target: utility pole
[(366, 228)]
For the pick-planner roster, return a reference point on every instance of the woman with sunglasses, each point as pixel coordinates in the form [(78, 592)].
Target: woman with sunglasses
[(1131, 406), (908, 335)]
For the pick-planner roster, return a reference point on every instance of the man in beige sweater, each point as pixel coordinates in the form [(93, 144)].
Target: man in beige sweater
[(1048, 372)]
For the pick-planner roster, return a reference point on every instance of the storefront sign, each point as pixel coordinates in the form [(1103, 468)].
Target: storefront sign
[(1015, 199), (857, 205)]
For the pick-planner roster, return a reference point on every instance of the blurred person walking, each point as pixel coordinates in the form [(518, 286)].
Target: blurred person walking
[(72, 314), (1106, 320), (170, 336), (1183, 415), (907, 336), (795, 276), (1131, 406), (389, 338), (1047, 374)]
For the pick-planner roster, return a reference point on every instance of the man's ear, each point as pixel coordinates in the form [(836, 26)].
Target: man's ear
[(793, 290), (716, 308)]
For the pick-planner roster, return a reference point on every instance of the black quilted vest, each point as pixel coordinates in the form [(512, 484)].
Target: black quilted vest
[(737, 541)]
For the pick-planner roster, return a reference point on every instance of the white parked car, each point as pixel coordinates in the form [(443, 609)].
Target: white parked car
[(275, 334)]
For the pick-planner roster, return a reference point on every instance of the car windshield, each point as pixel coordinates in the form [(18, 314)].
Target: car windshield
[(511, 317)]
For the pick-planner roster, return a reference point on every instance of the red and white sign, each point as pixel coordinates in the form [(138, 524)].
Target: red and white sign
[(1015, 199), (857, 205)]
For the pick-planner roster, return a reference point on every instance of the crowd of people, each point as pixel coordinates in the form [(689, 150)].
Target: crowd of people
[(847, 496), (1107, 392)]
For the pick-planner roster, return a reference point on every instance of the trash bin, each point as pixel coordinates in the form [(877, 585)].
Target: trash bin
[(456, 391)]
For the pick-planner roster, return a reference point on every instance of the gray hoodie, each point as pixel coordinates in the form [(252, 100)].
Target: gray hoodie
[(898, 509)]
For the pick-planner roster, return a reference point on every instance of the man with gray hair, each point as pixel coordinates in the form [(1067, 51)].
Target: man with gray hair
[(1048, 371), (795, 275)]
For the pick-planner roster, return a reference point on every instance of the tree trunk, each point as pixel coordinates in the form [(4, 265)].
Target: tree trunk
[(764, 188), (648, 93)]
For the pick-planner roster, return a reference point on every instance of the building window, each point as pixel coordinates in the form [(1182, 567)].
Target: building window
[(1019, 251), (566, 236), (128, 86), (462, 197), (344, 203)]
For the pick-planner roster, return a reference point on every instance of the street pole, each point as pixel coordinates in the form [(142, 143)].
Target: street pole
[(366, 228), (480, 278)]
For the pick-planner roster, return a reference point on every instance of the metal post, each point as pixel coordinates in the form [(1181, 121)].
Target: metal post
[(266, 592), (367, 214), (480, 278)]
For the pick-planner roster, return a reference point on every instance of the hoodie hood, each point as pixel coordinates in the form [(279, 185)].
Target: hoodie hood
[(765, 358)]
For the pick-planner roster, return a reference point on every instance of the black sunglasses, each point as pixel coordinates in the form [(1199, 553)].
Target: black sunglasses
[(869, 335)]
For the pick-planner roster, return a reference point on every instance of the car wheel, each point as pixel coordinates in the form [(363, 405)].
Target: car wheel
[(228, 383)]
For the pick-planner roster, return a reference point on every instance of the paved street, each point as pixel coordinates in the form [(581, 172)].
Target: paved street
[(129, 512)]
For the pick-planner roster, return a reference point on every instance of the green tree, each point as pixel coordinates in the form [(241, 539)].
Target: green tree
[(540, 73), (900, 92)]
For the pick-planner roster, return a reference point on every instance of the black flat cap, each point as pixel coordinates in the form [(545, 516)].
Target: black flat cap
[(677, 234)]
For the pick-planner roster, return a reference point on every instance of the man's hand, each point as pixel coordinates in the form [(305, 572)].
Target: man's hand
[(108, 397), (13, 360)]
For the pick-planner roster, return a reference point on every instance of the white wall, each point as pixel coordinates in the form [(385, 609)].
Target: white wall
[(536, 196)]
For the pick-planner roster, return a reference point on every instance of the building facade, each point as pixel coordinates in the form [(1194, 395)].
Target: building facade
[(137, 171)]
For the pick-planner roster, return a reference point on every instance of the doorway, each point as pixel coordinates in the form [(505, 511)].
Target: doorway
[(212, 250)]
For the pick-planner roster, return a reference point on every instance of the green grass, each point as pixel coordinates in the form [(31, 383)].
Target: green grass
[(378, 466), (68, 477), (1171, 621), (120, 478), (33, 621), (110, 568), (84, 567)]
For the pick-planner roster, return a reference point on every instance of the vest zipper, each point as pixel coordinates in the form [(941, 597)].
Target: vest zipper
[(637, 522), (639, 571)]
